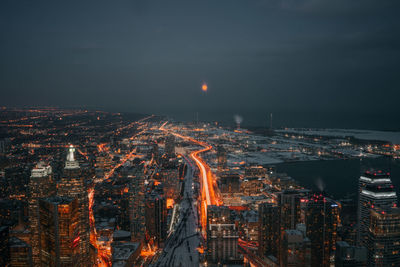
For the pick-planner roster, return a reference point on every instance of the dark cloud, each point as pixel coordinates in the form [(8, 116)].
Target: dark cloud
[(152, 56)]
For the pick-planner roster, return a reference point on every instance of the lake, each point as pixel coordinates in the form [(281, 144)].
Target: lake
[(338, 177)]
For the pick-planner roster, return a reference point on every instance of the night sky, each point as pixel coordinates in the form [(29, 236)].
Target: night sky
[(257, 56)]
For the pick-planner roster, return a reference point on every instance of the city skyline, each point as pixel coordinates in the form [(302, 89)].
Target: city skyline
[(229, 133)]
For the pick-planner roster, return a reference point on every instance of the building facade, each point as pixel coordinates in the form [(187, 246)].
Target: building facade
[(222, 237), (60, 232), (41, 185), (383, 238), (73, 185), (322, 219), (268, 230), (375, 191)]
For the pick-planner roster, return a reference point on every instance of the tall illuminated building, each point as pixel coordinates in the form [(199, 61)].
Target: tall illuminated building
[(222, 237), (137, 205), (289, 209), (383, 237), (375, 191), (268, 230), (156, 217), (41, 185), (73, 185), (322, 219), (60, 232), (289, 212)]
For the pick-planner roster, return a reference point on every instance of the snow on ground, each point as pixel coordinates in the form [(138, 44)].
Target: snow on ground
[(393, 137)]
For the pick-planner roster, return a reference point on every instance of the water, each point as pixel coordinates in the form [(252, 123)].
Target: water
[(340, 177)]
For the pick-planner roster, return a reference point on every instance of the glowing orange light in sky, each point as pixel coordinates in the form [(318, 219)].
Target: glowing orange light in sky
[(204, 87)]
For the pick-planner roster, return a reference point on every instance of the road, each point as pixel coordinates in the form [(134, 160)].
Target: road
[(181, 247), (208, 195)]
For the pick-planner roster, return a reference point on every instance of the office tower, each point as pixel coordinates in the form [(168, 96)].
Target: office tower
[(170, 146), (156, 217), (375, 190), (41, 185), (289, 209), (322, 218), (4, 246), (20, 253), (60, 232), (383, 238), (221, 158), (268, 230), (137, 205), (295, 249), (73, 185), (222, 236), (350, 256)]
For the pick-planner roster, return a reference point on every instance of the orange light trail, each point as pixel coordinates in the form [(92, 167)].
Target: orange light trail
[(208, 193)]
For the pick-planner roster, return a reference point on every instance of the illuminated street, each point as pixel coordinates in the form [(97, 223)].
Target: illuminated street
[(184, 241)]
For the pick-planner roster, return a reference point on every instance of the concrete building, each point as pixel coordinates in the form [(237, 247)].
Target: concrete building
[(268, 230), (73, 185), (222, 237), (41, 185), (60, 232), (375, 191), (383, 238), (322, 219)]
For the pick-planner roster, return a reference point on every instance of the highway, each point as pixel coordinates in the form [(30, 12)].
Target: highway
[(181, 246), (208, 195)]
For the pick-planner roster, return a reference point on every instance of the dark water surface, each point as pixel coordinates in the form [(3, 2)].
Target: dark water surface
[(339, 177)]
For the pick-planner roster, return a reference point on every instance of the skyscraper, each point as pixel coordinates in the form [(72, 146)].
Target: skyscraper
[(375, 191), (268, 230), (289, 209), (60, 232), (383, 237), (156, 217), (41, 185), (322, 218), (73, 185), (222, 236), (136, 205)]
